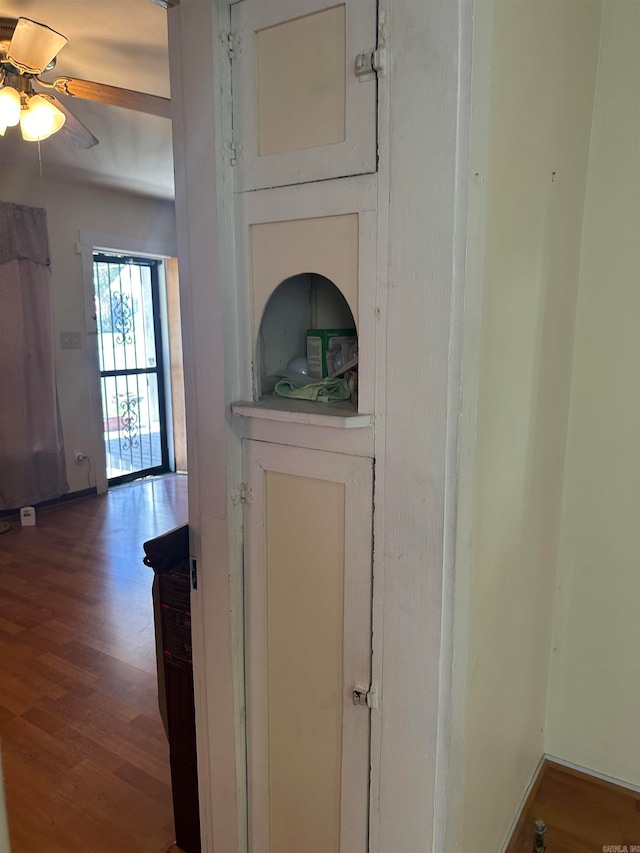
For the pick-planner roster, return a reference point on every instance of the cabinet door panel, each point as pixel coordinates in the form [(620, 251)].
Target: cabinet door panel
[(308, 640), (299, 111)]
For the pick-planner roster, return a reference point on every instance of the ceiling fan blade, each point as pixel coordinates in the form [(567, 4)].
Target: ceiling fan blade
[(74, 131), (33, 46), (139, 101)]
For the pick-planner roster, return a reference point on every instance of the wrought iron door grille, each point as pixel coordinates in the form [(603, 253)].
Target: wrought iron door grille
[(131, 370)]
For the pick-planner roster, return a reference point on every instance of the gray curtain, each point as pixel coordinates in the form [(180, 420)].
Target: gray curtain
[(32, 466)]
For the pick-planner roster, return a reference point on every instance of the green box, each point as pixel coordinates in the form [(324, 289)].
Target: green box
[(322, 341)]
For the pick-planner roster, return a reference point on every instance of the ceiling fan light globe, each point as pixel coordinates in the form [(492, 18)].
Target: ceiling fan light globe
[(3, 128), (9, 106), (40, 120), (33, 46), (32, 129)]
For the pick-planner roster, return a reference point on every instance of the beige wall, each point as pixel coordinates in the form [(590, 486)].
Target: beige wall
[(594, 696), (71, 208), (543, 63)]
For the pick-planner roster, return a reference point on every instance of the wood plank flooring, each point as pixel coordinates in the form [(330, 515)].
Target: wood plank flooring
[(85, 756), (583, 814)]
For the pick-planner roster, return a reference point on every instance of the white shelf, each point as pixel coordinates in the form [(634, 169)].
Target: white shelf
[(342, 415)]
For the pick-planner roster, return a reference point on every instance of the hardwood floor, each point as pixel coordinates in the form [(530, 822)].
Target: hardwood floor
[(85, 756), (583, 814)]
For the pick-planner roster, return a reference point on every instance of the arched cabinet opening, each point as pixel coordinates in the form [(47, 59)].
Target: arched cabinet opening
[(307, 333)]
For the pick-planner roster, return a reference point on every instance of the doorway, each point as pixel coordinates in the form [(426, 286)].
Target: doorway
[(132, 385)]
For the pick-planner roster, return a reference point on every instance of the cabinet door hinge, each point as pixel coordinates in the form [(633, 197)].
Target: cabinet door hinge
[(242, 494), (232, 44), (230, 152), (194, 573), (366, 696)]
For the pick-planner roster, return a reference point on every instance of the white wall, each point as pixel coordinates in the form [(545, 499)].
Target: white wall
[(71, 208), (542, 73), (594, 696)]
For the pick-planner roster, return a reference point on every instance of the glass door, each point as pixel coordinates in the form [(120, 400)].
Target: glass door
[(131, 370)]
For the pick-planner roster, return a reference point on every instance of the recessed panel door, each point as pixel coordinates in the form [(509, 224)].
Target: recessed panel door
[(308, 646), (300, 113)]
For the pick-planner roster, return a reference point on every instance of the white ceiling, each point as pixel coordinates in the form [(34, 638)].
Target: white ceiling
[(122, 43)]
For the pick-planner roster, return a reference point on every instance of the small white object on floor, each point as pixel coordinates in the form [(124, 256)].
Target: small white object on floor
[(28, 516)]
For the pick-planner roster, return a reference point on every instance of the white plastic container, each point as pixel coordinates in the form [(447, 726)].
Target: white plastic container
[(28, 516)]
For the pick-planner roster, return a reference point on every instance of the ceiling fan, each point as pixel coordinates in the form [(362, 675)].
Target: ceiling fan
[(28, 49)]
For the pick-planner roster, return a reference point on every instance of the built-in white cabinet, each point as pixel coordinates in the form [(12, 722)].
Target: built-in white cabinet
[(312, 193), (308, 523), (300, 111), (304, 127)]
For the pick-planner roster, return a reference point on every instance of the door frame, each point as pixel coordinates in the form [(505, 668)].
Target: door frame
[(111, 244), (421, 236), (160, 334)]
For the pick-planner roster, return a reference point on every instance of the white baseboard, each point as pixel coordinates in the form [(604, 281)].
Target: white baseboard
[(514, 823), (594, 773)]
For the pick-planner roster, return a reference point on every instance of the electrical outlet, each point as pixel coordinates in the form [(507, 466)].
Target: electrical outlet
[(70, 340)]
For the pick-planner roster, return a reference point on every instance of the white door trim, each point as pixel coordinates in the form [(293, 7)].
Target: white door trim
[(212, 371), (422, 204)]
